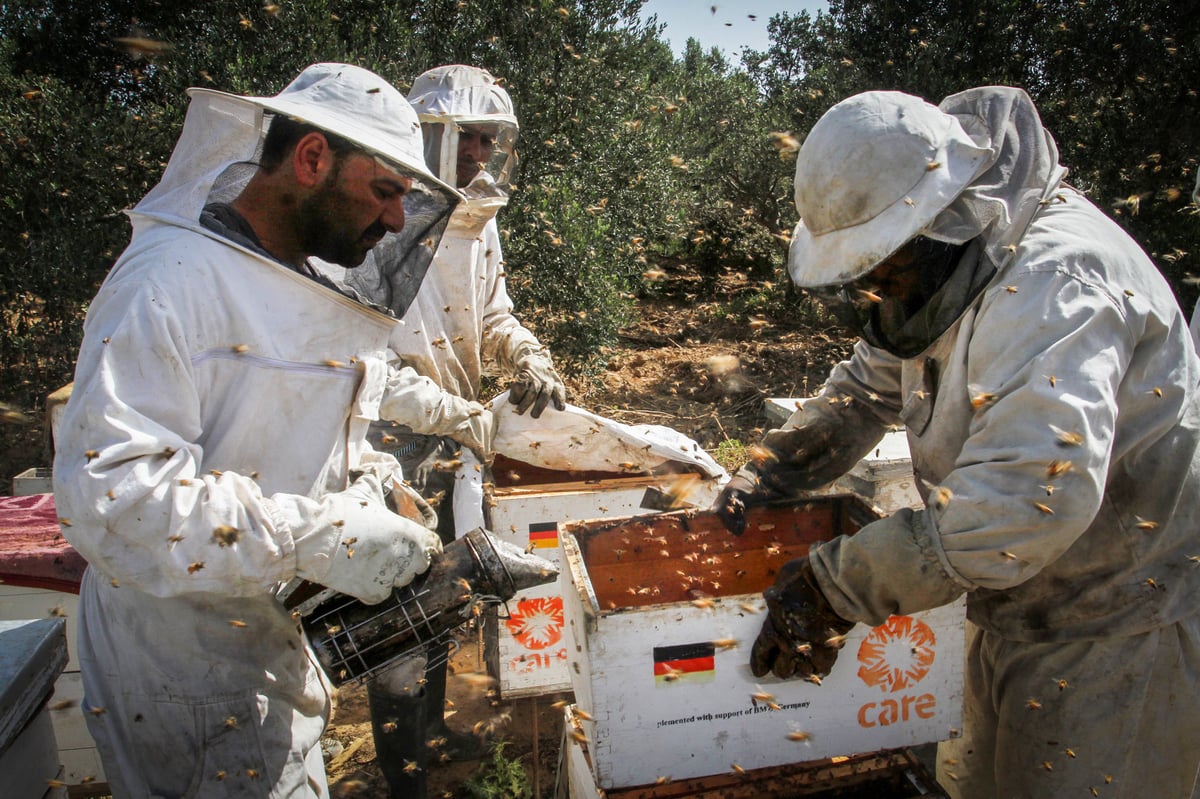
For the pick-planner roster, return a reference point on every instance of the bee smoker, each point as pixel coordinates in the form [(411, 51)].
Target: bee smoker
[(353, 640)]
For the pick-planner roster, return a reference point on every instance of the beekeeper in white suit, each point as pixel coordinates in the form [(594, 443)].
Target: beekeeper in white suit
[(214, 441), (1195, 326), (1046, 379), (459, 326)]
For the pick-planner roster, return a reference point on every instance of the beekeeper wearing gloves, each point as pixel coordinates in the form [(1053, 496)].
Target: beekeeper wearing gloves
[(1195, 326), (214, 446), (1047, 382), (459, 325)]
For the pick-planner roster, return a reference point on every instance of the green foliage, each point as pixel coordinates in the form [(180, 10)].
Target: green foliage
[(632, 161), (1116, 83), (500, 778), (731, 454)]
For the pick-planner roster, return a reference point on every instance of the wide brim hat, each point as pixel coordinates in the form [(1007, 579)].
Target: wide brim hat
[(874, 172), (355, 104)]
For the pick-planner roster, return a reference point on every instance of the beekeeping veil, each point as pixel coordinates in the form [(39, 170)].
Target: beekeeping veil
[(450, 98), (218, 152), (881, 169)]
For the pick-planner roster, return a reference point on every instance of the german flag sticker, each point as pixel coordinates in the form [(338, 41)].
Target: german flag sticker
[(684, 663), (543, 535)]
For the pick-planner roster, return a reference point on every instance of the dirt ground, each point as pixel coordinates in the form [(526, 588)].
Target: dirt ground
[(688, 367)]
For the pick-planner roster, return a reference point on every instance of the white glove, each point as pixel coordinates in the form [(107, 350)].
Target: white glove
[(359, 547)]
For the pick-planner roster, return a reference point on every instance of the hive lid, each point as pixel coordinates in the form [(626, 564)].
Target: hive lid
[(32, 655)]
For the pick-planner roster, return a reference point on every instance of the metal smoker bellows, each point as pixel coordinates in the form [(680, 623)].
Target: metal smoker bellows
[(353, 640)]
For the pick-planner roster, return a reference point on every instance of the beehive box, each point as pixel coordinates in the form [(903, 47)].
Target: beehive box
[(530, 655), (76, 749), (890, 774), (662, 612)]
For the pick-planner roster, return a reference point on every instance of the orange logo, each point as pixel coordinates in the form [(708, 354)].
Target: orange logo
[(897, 654), (537, 623)]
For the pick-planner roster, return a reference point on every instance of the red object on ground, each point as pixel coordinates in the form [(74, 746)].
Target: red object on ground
[(33, 552)]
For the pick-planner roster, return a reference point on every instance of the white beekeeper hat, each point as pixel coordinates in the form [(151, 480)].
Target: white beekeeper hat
[(461, 91), (353, 103), (874, 172), (450, 97)]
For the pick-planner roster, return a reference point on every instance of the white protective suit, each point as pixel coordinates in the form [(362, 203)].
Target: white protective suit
[(220, 397), (1053, 430), (461, 324)]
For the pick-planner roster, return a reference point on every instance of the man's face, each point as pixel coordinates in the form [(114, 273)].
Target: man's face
[(475, 146), (359, 201)]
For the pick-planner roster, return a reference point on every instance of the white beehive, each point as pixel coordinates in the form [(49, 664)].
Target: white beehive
[(531, 656), (662, 612)]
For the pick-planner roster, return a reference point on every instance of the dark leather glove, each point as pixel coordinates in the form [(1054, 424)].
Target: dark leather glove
[(738, 496), (802, 634), (804, 458)]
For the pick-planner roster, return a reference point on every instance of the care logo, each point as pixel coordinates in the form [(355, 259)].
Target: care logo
[(897, 654), (537, 623)]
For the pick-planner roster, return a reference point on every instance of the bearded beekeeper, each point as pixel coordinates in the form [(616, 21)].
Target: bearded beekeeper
[(214, 446), (1048, 385), (459, 326)]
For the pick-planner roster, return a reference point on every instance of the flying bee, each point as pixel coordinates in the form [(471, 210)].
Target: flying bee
[(1033, 704), (724, 643), (1046, 509), (737, 769), (139, 47), (97, 710), (237, 623), (195, 567), (63, 704), (1011, 289), (749, 608), (579, 712), (868, 295), (240, 349), (797, 735), (1056, 468), (231, 722), (225, 535), (1145, 524), (91, 455), (983, 399), (704, 603), (332, 364), (1067, 438), (941, 497)]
